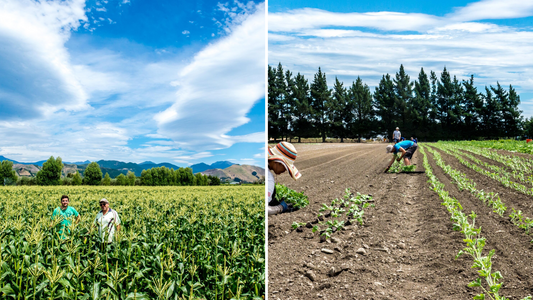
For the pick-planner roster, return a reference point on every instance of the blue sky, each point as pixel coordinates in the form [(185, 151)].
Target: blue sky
[(133, 80), (491, 39)]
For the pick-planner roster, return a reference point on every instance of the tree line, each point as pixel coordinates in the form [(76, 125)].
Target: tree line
[(432, 107), (50, 174)]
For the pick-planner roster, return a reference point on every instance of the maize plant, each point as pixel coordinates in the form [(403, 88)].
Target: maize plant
[(355, 205), (174, 243), (473, 239)]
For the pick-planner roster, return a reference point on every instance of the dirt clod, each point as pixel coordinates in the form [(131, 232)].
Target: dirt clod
[(326, 250), (361, 251)]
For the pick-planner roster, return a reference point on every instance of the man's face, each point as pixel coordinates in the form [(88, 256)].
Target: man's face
[(104, 205), (64, 203)]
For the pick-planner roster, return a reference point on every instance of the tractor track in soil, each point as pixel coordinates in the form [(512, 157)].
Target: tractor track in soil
[(408, 237)]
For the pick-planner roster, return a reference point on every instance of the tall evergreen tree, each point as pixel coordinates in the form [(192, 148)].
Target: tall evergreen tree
[(385, 100), (337, 110), (420, 107), (320, 95), (362, 108), (273, 105), (473, 107), (302, 109), (403, 87), (513, 114), (445, 93), (492, 115)]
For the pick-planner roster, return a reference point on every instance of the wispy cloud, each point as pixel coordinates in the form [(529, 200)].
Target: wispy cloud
[(218, 88), (347, 45), (33, 56), (86, 96)]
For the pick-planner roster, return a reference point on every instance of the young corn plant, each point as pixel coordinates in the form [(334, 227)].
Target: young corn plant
[(474, 242), (355, 206)]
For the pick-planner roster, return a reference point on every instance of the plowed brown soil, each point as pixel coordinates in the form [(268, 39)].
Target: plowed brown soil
[(408, 238)]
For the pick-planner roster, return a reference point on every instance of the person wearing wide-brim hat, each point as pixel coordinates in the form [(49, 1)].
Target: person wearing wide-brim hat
[(280, 159)]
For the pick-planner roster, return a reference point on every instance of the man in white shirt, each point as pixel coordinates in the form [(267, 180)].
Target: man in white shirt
[(396, 135), (107, 221)]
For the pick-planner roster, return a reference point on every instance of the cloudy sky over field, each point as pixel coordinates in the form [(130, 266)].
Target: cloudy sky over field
[(491, 39), (133, 80)]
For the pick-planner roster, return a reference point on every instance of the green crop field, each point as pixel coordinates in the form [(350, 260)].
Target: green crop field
[(174, 243)]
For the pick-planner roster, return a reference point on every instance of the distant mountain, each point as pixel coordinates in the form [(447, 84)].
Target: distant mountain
[(78, 162), (216, 165), (225, 170), (221, 164), (240, 173), (199, 167), (2, 158)]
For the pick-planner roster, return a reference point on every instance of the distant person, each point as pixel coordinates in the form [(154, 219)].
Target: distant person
[(396, 135), (402, 139), (107, 221), (414, 140), (280, 159), (407, 148), (66, 213)]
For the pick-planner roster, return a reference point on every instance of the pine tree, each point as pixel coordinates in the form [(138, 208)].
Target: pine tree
[(385, 100), (473, 106), (445, 92), (403, 87), (337, 110), (320, 96), (421, 105), (361, 108), (302, 110), (513, 114)]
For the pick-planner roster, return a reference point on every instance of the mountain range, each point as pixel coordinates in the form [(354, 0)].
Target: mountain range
[(228, 171)]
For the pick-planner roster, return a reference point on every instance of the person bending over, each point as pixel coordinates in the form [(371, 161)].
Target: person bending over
[(407, 149), (280, 159)]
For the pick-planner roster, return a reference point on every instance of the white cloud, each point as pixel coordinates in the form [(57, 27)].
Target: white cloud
[(185, 32), (307, 18), (494, 9), (218, 88), (37, 77), (303, 40)]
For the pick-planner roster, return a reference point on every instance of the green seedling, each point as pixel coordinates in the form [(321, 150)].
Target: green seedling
[(295, 225)]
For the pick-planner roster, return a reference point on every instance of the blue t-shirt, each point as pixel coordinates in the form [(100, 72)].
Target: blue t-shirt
[(69, 212), (404, 145)]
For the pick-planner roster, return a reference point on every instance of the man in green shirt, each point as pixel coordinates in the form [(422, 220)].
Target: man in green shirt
[(65, 212)]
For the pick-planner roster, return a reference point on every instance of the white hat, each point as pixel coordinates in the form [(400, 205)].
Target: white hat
[(104, 200), (389, 148)]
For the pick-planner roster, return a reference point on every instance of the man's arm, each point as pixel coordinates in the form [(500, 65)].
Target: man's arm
[(401, 156), (390, 164)]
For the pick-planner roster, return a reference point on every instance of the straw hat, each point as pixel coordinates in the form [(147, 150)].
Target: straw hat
[(389, 148), (285, 153)]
